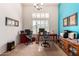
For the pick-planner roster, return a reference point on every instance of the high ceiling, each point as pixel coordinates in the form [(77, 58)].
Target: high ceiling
[(45, 4), (39, 1)]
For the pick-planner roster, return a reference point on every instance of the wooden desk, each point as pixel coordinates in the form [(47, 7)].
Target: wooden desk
[(52, 36), (67, 43)]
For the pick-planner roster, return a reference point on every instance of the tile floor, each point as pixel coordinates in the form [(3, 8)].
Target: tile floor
[(34, 49)]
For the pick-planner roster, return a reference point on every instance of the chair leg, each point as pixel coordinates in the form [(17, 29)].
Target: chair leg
[(45, 44)]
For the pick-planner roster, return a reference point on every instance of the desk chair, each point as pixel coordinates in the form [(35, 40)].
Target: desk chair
[(28, 33), (45, 39)]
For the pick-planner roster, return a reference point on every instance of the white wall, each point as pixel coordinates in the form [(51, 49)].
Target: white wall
[(52, 9), (9, 33), (14, 10)]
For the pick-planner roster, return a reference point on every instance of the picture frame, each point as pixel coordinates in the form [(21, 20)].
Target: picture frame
[(73, 20), (11, 22), (16, 23), (65, 22), (8, 21)]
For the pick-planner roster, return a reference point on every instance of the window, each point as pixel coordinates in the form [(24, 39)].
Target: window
[(40, 21), (40, 15), (40, 24)]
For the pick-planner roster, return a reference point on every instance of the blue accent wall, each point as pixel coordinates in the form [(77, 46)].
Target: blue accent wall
[(65, 10)]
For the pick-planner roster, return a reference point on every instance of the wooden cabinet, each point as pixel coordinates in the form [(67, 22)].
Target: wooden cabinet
[(70, 47), (65, 43)]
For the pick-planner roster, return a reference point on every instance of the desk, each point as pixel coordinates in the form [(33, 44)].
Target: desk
[(68, 43), (52, 36)]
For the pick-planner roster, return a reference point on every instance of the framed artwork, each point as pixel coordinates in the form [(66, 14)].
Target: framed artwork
[(73, 20), (8, 21), (11, 22), (65, 22), (16, 23)]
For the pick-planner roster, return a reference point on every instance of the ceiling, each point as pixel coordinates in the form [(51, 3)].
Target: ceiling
[(45, 4)]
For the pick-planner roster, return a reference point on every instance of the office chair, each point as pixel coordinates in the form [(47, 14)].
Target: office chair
[(45, 39), (29, 34)]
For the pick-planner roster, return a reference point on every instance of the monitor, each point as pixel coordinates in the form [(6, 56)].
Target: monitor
[(41, 29)]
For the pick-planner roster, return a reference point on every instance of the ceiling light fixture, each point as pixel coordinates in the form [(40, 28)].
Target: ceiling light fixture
[(38, 6)]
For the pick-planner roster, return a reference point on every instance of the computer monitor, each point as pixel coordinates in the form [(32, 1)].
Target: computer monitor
[(41, 29)]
